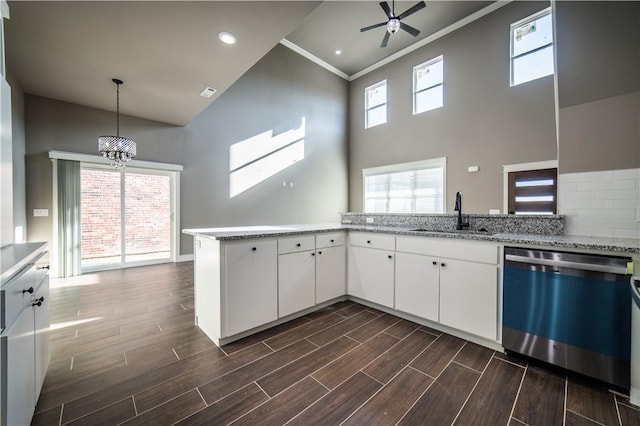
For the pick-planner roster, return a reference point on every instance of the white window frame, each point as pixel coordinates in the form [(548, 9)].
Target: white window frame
[(366, 103), (518, 24), (404, 167), (521, 167), (97, 161), (415, 81)]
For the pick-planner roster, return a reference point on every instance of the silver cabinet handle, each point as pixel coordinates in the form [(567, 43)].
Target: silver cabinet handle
[(635, 291)]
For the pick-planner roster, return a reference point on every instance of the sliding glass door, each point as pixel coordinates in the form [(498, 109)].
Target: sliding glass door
[(126, 217)]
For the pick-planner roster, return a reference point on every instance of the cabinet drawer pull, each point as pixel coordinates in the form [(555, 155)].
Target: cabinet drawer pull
[(42, 267), (254, 248), (435, 263), (313, 254), (390, 257), (319, 252), (38, 302), (332, 241), (298, 245), (29, 290), (443, 264), (368, 241)]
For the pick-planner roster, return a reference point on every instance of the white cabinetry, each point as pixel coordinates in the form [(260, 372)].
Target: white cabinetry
[(24, 339), (469, 297), (371, 267), (417, 289), (458, 279), (296, 274), (236, 285), (331, 265)]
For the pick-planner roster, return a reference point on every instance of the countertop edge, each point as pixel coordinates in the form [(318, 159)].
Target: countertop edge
[(619, 245)]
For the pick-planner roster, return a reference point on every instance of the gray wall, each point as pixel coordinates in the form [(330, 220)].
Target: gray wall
[(274, 94), (598, 50), (484, 122)]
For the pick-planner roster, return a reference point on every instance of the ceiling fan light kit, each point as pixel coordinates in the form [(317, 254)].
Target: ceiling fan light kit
[(394, 23)]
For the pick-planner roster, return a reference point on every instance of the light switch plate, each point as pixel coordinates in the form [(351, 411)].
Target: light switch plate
[(40, 212)]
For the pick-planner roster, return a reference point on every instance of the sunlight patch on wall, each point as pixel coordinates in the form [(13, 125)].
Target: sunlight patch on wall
[(260, 157)]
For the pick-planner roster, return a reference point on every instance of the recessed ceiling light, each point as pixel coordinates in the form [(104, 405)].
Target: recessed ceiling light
[(338, 52), (227, 38), (207, 92)]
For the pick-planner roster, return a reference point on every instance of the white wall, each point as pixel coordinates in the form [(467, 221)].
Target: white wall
[(601, 203)]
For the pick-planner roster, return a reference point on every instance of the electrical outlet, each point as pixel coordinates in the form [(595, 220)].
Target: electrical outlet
[(369, 220)]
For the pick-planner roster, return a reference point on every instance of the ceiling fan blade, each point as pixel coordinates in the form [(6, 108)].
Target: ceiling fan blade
[(412, 10), (387, 10), (385, 39), (409, 29), (370, 27)]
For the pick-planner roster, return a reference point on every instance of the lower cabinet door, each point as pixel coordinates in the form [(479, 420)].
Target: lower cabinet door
[(331, 273), (371, 275), (296, 282), (251, 285), (42, 347), (19, 384), (469, 297), (417, 285)]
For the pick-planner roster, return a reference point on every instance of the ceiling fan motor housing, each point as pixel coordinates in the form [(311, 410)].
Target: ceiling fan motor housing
[(393, 25)]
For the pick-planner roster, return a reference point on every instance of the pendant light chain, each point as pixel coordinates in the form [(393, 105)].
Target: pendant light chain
[(118, 109)]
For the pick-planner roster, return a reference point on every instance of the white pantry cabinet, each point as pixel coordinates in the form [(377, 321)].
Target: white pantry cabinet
[(417, 285), (371, 267)]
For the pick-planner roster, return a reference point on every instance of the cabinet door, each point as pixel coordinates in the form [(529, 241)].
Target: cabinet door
[(19, 383), (469, 297), (417, 285), (42, 348), (330, 273), (251, 285), (296, 282), (371, 275)]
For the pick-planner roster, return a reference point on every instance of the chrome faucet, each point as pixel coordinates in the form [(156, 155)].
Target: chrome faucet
[(460, 225)]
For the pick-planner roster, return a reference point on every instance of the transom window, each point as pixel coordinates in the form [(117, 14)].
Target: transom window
[(532, 48), (428, 85), (416, 187), (375, 104)]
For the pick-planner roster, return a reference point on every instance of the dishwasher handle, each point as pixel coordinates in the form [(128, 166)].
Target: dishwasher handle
[(635, 289), (567, 264)]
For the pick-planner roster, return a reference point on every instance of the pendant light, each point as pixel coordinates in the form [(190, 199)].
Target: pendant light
[(117, 148)]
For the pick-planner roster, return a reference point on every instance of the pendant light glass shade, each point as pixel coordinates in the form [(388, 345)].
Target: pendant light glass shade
[(117, 148)]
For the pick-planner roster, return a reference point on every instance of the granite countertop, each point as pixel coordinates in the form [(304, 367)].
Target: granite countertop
[(14, 257), (620, 245)]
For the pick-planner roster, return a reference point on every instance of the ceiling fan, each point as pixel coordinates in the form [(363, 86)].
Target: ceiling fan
[(394, 24)]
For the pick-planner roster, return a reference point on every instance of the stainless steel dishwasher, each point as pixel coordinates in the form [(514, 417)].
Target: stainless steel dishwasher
[(569, 309)]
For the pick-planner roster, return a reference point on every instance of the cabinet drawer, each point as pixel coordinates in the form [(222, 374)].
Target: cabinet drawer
[(372, 240), (296, 244), (473, 251), (333, 239), (15, 295)]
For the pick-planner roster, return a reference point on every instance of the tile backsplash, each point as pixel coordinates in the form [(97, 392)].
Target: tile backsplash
[(601, 204)]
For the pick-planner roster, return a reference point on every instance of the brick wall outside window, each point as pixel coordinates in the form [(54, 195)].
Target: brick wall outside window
[(147, 214)]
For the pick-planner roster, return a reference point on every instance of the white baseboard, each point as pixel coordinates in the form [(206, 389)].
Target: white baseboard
[(185, 258)]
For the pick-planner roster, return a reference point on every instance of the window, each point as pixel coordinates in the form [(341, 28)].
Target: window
[(428, 82), (375, 104), (125, 217), (533, 191), (416, 187), (532, 48)]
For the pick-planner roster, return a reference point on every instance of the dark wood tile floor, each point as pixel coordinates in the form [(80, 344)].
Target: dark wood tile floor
[(125, 351)]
